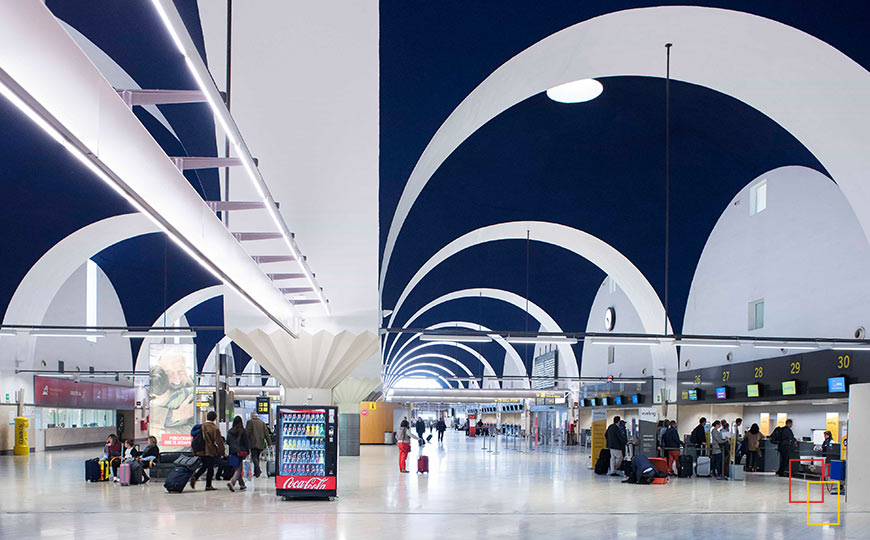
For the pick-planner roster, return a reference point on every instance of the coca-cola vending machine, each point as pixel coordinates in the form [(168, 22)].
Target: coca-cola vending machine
[(307, 459)]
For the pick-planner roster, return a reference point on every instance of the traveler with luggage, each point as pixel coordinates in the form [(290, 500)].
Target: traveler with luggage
[(403, 442), (208, 444), (785, 440), (258, 436), (616, 441), (440, 427), (716, 442), (112, 453), (698, 437), (671, 444), (753, 448), (237, 440)]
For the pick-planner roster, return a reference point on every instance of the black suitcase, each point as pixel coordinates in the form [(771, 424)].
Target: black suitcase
[(603, 463), (684, 466), (177, 479), (92, 470), (135, 473), (270, 469)]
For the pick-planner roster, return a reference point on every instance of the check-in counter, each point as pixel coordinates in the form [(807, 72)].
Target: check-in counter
[(804, 450), (71, 437)]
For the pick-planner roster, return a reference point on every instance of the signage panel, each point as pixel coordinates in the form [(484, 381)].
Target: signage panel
[(54, 392)]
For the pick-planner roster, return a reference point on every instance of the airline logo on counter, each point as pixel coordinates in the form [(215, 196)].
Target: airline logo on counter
[(306, 482)]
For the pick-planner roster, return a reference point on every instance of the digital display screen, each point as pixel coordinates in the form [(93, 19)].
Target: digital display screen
[(752, 390), (721, 393), (789, 388), (605, 401), (635, 398), (617, 400), (592, 402), (836, 384), (693, 395)]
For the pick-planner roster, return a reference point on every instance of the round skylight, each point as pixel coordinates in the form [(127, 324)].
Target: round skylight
[(576, 91)]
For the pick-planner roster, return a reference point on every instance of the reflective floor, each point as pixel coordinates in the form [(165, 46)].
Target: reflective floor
[(469, 493)]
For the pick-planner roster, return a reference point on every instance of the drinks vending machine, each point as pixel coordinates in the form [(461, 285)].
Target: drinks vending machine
[(307, 460)]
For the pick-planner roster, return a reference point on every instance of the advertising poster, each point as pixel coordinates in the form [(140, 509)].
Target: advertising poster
[(172, 394), (599, 426), (647, 431)]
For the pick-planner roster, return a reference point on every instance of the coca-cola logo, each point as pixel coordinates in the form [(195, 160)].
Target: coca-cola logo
[(308, 482)]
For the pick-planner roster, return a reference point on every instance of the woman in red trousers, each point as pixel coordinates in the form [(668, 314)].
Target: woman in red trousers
[(403, 438)]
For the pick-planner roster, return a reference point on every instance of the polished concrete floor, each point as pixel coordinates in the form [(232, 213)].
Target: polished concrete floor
[(470, 493)]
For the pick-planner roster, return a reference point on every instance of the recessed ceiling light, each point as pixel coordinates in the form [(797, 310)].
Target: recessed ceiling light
[(576, 91)]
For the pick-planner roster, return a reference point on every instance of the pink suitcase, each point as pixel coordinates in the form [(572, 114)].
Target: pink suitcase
[(124, 474), (423, 464)]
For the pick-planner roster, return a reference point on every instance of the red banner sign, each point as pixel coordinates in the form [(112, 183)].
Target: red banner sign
[(305, 482), (53, 392)]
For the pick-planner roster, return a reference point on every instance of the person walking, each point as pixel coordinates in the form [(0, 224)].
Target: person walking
[(716, 442), (616, 442), (753, 448), (213, 448), (671, 444), (420, 426), (785, 444), (237, 440), (403, 441), (440, 427), (258, 439)]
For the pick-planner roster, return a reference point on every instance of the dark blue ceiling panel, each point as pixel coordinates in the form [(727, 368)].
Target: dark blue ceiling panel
[(208, 313)]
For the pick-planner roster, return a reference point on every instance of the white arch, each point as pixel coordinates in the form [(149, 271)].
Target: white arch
[(430, 365), (567, 359), (175, 312), (829, 115), (631, 280), (424, 372), (431, 355), (487, 367)]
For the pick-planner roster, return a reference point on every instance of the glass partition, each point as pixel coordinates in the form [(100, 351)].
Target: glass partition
[(76, 418)]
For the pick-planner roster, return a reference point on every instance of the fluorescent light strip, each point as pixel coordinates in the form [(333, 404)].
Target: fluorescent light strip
[(639, 341), (6, 332), (158, 334), (855, 347), (456, 338), (87, 160), (68, 333), (541, 340), (717, 344), (793, 346), (227, 123)]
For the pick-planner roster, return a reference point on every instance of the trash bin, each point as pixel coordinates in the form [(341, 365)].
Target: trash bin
[(22, 446), (389, 437)]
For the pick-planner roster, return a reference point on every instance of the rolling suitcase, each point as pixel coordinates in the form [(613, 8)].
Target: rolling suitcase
[(423, 464), (702, 468), (661, 464), (177, 479), (124, 474), (105, 469), (603, 463), (270, 469), (684, 466), (135, 473), (737, 472), (93, 473)]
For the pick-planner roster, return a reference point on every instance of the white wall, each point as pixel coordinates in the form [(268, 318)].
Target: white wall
[(805, 255), (68, 309), (629, 360)]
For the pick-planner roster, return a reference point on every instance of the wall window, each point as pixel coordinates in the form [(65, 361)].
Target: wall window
[(610, 355), (76, 418), (758, 198), (756, 314)]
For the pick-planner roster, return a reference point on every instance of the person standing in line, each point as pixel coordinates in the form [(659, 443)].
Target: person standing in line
[(753, 448), (616, 442), (739, 447), (698, 437), (671, 444), (716, 441), (403, 441), (660, 433), (785, 446), (237, 440), (725, 431), (441, 427), (258, 435), (213, 449)]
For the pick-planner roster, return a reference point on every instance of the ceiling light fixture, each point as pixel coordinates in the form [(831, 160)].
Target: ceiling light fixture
[(576, 91), (709, 343), (648, 341), (458, 338), (793, 346), (68, 333), (158, 333), (178, 32), (541, 340)]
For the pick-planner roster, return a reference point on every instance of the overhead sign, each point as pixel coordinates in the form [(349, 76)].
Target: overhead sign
[(53, 392), (262, 405), (545, 369)]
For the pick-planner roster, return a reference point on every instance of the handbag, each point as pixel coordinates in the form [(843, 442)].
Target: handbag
[(242, 454)]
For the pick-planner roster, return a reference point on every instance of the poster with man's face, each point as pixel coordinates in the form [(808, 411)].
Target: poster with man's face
[(172, 394)]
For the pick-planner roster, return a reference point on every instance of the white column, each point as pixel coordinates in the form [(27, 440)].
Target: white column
[(858, 470)]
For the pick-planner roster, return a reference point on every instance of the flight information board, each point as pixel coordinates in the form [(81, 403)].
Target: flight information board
[(545, 366), (761, 380)]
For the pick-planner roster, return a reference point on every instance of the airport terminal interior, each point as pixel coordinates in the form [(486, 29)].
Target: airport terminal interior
[(434, 270)]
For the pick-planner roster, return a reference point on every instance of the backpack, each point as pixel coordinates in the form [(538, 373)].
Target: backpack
[(776, 436), (198, 442)]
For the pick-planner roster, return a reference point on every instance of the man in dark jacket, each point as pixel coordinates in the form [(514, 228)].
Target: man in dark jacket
[(786, 446), (214, 449), (440, 427), (671, 444), (258, 435), (420, 428), (698, 436), (616, 442)]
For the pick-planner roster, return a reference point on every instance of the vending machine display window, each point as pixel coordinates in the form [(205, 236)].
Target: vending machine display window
[(307, 458)]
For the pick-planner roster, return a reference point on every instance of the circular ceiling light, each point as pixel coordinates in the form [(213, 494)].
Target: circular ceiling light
[(576, 91)]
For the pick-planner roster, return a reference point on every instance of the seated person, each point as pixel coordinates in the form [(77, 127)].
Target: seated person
[(151, 454), (132, 454), (112, 453)]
